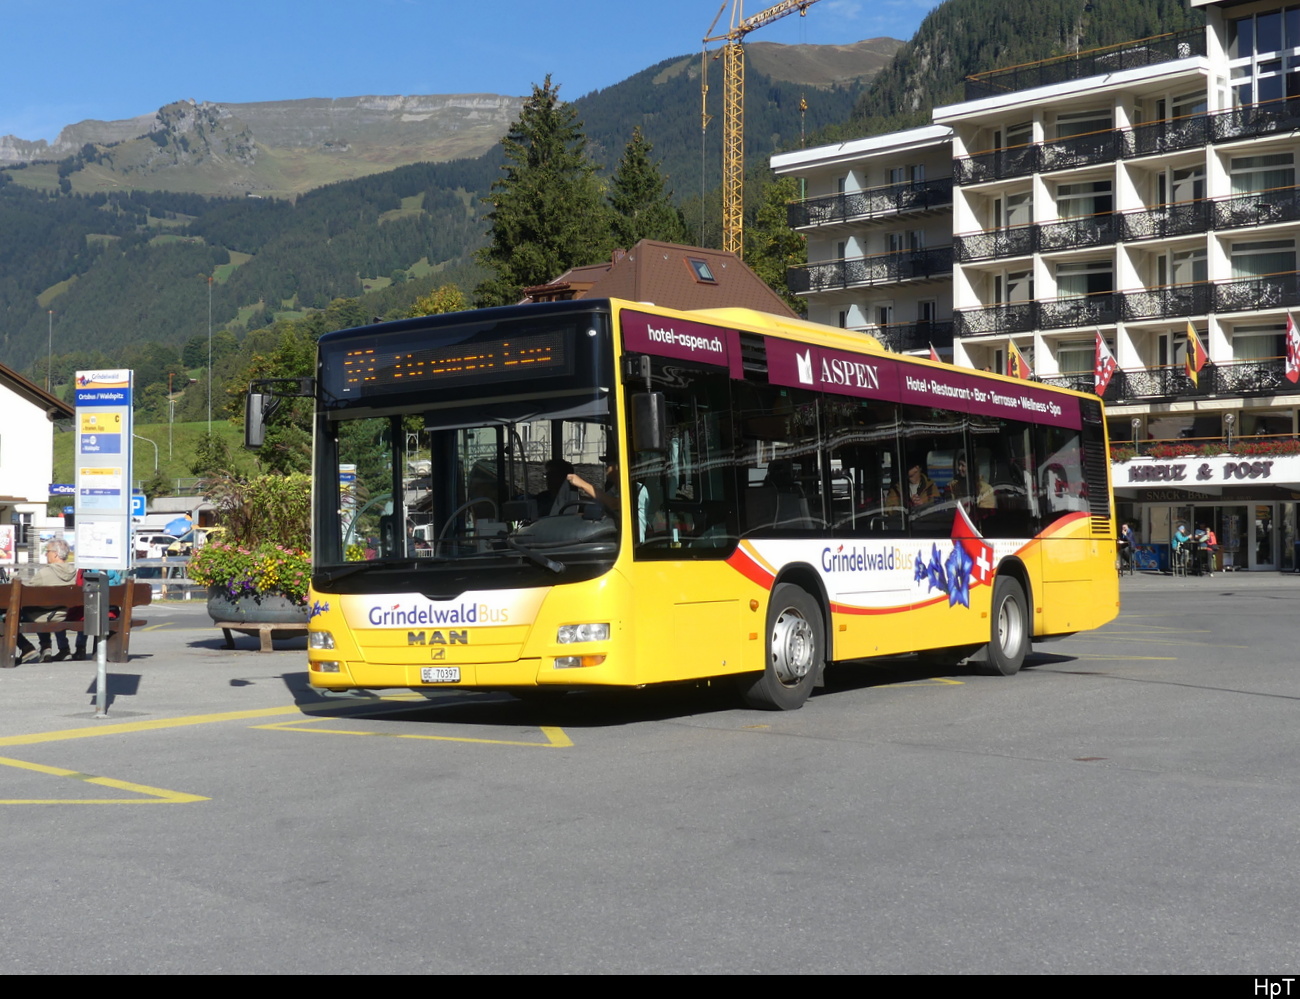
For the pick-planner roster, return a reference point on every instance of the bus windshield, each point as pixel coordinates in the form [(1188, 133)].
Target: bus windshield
[(419, 470)]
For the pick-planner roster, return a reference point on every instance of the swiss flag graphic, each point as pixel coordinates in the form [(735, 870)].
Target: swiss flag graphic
[(980, 551)]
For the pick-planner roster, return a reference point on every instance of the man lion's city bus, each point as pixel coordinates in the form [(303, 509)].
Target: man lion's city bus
[(607, 493)]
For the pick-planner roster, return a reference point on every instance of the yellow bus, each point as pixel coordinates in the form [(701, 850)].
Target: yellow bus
[(607, 493)]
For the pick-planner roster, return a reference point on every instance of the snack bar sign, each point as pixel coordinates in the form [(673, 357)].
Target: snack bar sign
[(103, 488)]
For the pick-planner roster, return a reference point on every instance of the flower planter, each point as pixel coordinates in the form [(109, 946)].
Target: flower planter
[(256, 609)]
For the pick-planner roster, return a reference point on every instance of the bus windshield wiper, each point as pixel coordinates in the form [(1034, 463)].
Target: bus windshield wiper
[(338, 572), (536, 557)]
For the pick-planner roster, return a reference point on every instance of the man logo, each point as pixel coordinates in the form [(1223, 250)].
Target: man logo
[(804, 361)]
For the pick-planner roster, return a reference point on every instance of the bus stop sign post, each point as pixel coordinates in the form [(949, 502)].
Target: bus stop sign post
[(95, 598)]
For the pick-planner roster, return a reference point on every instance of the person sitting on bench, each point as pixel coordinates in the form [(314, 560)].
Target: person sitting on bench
[(57, 571)]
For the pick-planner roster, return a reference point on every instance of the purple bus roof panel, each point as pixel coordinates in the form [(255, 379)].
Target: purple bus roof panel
[(892, 379), (677, 338), (867, 376)]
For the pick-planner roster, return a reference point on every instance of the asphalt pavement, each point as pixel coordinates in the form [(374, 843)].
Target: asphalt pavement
[(1125, 804)]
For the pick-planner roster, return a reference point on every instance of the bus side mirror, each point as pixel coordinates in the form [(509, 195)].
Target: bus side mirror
[(649, 421)]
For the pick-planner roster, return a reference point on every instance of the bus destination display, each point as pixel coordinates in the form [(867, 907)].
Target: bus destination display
[(368, 370)]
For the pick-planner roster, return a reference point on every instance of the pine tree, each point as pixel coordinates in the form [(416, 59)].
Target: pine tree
[(642, 209), (771, 246), (547, 214)]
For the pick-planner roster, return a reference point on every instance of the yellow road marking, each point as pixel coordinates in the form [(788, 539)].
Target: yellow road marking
[(555, 737), (935, 681), (142, 726), (1160, 641), (120, 728), (1122, 659), (152, 795)]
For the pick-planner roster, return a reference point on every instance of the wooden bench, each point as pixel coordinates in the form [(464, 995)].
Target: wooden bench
[(264, 632), (18, 597)]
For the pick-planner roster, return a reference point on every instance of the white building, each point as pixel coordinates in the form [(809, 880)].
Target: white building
[(27, 415), (1134, 191)]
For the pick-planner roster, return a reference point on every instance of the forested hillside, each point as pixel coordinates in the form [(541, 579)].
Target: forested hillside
[(130, 267), (963, 37)]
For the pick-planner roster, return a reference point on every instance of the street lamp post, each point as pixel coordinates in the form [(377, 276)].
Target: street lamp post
[(209, 356), (49, 352), (155, 450)]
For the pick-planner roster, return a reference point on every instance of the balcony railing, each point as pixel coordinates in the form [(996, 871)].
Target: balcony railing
[(1015, 317), (902, 337), (1179, 219), (1081, 65), (1253, 120), (884, 268), (1177, 301), (868, 204), (1271, 291), (996, 164), (1079, 310), (1090, 230), (1280, 117), (1281, 204), (1266, 376), (1167, 302), (1167, 136)]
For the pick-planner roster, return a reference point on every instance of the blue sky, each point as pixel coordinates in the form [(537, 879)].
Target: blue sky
[(111, 59)]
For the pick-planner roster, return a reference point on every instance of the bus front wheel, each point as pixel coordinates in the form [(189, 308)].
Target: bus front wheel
[(1009, 631), (795, 652)]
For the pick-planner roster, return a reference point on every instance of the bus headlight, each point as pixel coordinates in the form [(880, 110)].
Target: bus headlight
[(320, 640), (570, 633)]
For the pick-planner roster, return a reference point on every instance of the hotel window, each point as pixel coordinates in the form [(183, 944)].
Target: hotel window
[(1070, 123), (1013, 209), (1265, 256), (1089, 277), (1262, 173), (1175, 186), (1019, 134), (1016, 286), (1078, 356), (1181, 267), (1262, 53), (1255, 343), (1074, 201)]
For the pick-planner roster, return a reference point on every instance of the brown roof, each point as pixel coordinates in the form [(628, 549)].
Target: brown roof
[(54, 407), (663, 273)]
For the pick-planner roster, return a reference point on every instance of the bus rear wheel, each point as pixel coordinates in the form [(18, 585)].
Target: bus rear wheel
[(1009, 630), (795, 652)]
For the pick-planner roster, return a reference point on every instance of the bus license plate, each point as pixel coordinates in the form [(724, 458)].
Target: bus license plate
[(440, 674)]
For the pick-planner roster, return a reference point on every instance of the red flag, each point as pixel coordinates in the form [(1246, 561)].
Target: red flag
[(1196, 357), (1292, 349), (980, 551), (1106, 365), (1016, 366), (934, 355)]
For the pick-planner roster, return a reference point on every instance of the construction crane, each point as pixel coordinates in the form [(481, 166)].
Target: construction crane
[(733, 110)]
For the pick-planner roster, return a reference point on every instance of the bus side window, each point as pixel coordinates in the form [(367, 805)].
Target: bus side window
[(861, 444)]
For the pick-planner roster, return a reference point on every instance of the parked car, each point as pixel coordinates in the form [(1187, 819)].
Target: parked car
[(152, 545)]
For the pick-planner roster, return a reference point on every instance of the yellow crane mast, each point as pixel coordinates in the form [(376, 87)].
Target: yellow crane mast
[(733, 110)]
